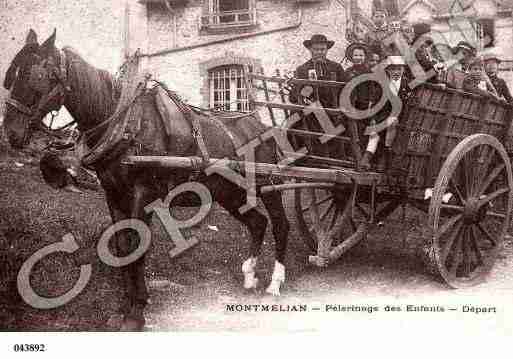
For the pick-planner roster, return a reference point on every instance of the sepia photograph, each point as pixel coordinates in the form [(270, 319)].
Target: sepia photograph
[(254, 167)]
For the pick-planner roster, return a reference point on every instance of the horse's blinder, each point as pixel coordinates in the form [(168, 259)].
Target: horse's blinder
[(40, 79)]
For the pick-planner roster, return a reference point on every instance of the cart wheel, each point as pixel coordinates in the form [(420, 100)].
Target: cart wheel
[(322, 213), (466, 232)]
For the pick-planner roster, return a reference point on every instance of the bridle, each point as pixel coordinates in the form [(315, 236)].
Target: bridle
[(35, 112)]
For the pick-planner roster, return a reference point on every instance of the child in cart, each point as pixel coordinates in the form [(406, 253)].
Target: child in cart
[(361, 96), (476, 81)]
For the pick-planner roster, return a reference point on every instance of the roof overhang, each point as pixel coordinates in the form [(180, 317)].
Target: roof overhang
[(163, 2)]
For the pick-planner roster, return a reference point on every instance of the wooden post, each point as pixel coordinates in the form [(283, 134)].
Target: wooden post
[(282, 96), (267, 98)]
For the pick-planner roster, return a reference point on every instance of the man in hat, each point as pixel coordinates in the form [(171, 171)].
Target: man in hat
[(319, 67), (491, 63)]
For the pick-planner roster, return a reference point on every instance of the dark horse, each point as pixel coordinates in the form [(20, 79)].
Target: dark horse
[(89, 96)]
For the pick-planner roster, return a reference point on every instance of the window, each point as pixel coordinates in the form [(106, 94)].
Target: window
[(226, 13), (228, 90), (485, 33)]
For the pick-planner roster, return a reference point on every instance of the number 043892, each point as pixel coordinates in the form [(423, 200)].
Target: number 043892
[(29, 347)]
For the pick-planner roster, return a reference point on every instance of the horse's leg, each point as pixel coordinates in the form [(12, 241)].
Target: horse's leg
[(134, 273), (134, 286), (253, 219), (274, 205)]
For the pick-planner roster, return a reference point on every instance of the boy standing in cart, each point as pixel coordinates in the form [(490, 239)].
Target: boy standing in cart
[(491, 63), (374, 38)]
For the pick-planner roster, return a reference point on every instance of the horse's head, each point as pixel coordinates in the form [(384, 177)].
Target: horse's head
[(36, 80)]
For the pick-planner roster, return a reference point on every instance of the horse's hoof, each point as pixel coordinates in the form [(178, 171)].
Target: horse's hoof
[(274, 289), (131, 324)]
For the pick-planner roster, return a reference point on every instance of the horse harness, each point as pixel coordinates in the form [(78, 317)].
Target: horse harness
[(59, 92)]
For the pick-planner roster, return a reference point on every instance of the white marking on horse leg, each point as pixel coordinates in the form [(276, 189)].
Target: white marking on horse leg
[(277, 279), (248, 269)]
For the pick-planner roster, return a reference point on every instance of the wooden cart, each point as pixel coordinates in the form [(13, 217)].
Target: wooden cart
[(453, 165), (449, 161)]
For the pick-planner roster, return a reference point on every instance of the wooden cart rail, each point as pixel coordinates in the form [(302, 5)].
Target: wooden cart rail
[(279, 80), (281, 102)]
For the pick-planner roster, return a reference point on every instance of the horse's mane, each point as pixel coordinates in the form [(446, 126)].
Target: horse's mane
[(94, 91)]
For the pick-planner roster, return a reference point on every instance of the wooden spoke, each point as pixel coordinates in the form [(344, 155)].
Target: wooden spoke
[(334, 218), (364, 212), (353, 225), (456, 189), (450, 242), (337, 232), (458, 255), (467, 260), (467, 173), (328, 210), (447, 225), (452, 207), (472, 173), (490, 197), (324, 200), (474, 246), (315, 211), (493, 175), (487, 234), (484, 161), (326, 225), (496, 215)]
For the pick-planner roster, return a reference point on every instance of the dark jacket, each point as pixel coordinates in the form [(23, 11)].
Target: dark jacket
[(365, 92), (328, 70), (502, 88)]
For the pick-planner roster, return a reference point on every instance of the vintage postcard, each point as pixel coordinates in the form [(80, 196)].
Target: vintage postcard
[(255, 167)]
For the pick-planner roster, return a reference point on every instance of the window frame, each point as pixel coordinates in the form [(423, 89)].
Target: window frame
[(212, 17), (479, 31), (233, 91)]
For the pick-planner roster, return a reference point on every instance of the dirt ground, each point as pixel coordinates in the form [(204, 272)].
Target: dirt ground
[(194, 292)]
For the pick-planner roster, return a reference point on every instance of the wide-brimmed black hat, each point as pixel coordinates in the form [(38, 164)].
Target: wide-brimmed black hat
[(463, 45), (354, 46), (318, 39)]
